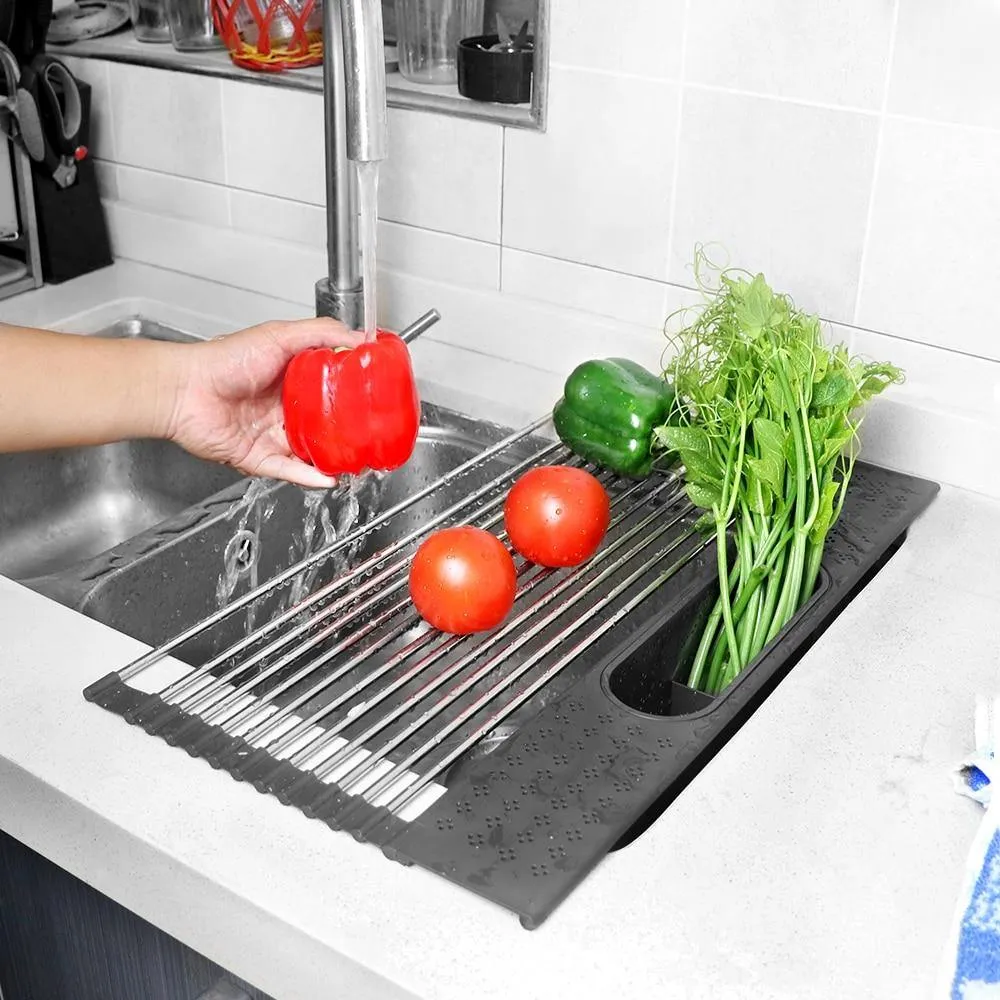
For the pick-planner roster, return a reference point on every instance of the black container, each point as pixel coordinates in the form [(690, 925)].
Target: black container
[(72, 230), (496, 77)]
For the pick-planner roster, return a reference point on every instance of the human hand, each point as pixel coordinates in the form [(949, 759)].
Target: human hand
[(228, 402)]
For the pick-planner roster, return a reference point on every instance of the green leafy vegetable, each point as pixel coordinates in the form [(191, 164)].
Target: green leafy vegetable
[(765, 421)]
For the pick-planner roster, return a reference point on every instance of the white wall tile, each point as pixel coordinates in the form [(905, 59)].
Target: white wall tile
[(506, 326), (96, 72), (438, 256), (442, 173), (275, 141), (923, 441), (171, 122), (632, 36), (179, 197), (596, 187), (107, 178), (946, 65), (285, 271), (278, 218), (590, 289), (830, 52), (931, 265), (952, 381), (783, 188)]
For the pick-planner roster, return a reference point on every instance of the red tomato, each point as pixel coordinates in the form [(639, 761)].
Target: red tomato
[(463, 580), (557, 515)]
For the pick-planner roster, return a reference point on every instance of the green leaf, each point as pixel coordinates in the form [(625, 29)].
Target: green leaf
[(821, 364), (769, 470), (703, 496), (754, 308), (701, 468), (683, 439), (759, 496), (835, 392), (875, 378), (773, 392), (835, 445), (769, 436), (820, 428), (705, 524), (824, 517), (800, 356)]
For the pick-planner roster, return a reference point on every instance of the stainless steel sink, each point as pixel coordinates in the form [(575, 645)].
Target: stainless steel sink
[(149, 540), (59, 508), (176, 574)]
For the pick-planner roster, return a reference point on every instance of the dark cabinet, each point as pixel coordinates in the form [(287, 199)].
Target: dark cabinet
[(62, 940)]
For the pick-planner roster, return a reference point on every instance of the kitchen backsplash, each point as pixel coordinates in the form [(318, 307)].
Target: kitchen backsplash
[(850, 151)]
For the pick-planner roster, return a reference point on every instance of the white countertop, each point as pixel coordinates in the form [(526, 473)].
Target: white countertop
[(818, 855)]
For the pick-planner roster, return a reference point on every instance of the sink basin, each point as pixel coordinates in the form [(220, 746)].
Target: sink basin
[(147, 539), (178, 573), (62, 507), (59, 508)]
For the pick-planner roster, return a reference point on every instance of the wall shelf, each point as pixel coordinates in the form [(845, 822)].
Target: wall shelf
[(401, 93)]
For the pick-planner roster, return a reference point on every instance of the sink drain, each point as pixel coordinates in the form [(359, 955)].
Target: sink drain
[(242, 553)]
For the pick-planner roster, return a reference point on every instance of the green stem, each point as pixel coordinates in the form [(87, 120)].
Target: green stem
[(814, 559), (771, 592), (747, 623), (705, 646), (813, 473), (727, 611), (715, 667), (788, 601)]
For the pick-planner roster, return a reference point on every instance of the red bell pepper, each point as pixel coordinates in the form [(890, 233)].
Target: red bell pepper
[(348, 410)]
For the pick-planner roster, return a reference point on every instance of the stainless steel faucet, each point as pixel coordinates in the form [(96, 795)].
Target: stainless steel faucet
[(356, 131)]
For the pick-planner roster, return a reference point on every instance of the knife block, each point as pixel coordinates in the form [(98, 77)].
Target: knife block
[(72, 230)]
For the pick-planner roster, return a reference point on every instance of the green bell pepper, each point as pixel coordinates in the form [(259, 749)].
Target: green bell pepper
[(608, 412)]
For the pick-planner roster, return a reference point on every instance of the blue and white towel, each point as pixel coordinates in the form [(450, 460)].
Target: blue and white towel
[(972, 960)]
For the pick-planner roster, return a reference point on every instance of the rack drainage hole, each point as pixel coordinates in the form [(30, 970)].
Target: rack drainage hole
[(241, 553)]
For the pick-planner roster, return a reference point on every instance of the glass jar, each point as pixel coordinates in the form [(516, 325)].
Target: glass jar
[(192, 26), (149, 20), (428, 33)]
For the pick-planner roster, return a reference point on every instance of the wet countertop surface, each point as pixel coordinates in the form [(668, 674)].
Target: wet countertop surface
[(819, 854)]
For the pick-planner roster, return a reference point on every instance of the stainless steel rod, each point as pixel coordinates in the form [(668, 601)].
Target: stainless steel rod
[(352, 778), (321, 741), (374, 583), (372, 792), (411, 791), (187, 682), (219, 713), (199, 697), (157, 654), (322, 683), (267, 726)]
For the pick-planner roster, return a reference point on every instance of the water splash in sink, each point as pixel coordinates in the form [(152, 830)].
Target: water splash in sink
[(327, 516), (237, 563)]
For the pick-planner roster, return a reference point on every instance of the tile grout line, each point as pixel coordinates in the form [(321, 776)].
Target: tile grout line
[(877, 165), (675, 173), (804, 102)]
